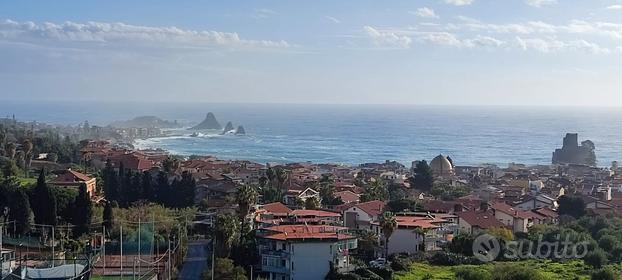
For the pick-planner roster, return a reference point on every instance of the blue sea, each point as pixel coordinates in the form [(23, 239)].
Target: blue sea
[(353, 134)]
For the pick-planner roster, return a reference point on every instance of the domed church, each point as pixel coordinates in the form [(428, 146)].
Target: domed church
[(442, 166)]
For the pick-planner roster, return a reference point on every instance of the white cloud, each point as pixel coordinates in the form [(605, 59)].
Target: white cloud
[(387, 38), (614, 7), (425, 12), (459, 2), (484, 41), (263, 13), (125, 35), (442, 38), (333, 19), (552, 45), (540, 3)]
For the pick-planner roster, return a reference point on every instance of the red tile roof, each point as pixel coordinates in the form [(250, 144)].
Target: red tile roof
[(373, 208), (71, 176), (277, 208), (481, 219), (347, 196), (302, 232), (507, 209), (314, 213)]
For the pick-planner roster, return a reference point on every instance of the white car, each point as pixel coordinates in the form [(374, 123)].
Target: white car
[(378, 263)]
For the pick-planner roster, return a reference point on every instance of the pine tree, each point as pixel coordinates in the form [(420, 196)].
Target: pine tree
[(82, 212), (188, 185), (44, 208)]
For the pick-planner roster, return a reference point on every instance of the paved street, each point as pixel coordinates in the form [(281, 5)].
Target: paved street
[(195, 262)]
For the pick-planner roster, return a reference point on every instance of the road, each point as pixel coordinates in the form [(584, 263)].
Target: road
[(195, 262)]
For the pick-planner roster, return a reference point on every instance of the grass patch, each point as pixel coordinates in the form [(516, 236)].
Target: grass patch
[(551, 270)]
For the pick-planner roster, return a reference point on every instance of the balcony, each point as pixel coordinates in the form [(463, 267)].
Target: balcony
[(275, 269), (275, 253)]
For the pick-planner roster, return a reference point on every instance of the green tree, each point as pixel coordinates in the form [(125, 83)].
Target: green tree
[(596, 258), (246, 197), (423, 179), (9, 168), (464, 273), (44, 202), (108, 217), (27, 147), (225, 269), (10, 150), (111, 182), (187, 188), (83, 212), (388, 223), (20, 210), (376, 190), (571, 205), (148, 193), (226, 233), (312, 203)]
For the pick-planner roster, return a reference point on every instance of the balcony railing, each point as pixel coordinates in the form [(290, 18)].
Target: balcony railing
[(277, 253), (275, 269)]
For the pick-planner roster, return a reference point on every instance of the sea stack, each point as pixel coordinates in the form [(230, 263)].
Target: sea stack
[(209, 122), (572, 153), (240, 131), (228, 128)]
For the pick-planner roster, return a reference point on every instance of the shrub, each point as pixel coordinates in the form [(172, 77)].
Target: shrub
[(604, 274), (596, 258), (472, 273)]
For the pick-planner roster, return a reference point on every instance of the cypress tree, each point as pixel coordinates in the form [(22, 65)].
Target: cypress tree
[(108, 217), (162, 188), (44, 207), (82, 212), (147, 191), (20, 210)]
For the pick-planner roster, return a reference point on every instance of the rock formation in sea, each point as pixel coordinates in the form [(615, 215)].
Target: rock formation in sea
[(240, 131), (209, 122), (228, 128), (572, 153)]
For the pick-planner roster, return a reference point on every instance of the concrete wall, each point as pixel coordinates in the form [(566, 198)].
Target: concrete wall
[(404, 241), (311, 260)]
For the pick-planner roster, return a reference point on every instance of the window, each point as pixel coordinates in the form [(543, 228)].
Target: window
[(283, 264), (292, 266)]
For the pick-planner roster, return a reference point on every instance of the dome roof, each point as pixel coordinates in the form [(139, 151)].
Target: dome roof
[(440, 165)]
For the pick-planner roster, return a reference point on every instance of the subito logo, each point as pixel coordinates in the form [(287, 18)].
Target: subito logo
[(486, 248)]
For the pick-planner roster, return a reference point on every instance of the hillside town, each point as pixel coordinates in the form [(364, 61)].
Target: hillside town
[(278, 221)]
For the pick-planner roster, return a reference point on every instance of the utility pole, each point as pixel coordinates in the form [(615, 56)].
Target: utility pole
[(213, 255), (139, 213), (121, 232), (169, 256), (53, 243), (104, 248)]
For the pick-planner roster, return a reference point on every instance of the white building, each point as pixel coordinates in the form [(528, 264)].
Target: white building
[(303, 252)]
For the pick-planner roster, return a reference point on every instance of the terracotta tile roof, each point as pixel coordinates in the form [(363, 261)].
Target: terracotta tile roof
[(71, 176), (417, 222), (507, 209), (373, 208), (347, 196), (302, 232), (276, 207), (314, 213), (481, 219), (546, 212)]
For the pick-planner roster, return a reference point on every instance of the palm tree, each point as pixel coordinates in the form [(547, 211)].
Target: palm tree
[(27, 147), (281, 176), (10, 150), (423, 232), (246, 197), (226, 232), (388, 223)]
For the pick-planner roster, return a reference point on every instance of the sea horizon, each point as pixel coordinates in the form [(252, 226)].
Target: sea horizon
[(353, 134)]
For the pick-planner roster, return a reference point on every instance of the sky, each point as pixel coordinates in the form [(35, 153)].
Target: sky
[(458, 52)]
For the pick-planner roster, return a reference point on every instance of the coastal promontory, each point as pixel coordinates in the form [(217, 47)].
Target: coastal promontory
[(209, 122)]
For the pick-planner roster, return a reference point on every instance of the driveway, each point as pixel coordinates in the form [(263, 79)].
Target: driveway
[(195, 262)]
